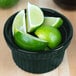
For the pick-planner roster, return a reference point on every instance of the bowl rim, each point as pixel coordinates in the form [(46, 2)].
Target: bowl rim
[(33, 52)]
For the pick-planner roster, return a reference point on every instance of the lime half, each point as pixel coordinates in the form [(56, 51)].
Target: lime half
[(29, 42), (19, 23), (35, 17), (53, 21)]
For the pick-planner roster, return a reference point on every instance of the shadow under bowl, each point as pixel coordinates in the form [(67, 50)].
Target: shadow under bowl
[(39, 62)]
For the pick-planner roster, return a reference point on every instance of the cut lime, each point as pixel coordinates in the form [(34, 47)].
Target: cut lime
[(29, 42), (53, 21), (7, 3), (50, 34), (19, 23), (35, 17)]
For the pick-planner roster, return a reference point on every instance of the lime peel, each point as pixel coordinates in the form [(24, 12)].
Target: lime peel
[(50, 34), (8, 3), (29, 42)]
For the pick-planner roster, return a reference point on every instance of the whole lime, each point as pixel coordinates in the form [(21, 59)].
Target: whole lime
[(7, 3)]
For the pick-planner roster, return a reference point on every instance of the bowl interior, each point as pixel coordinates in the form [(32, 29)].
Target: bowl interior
[(66, 28)]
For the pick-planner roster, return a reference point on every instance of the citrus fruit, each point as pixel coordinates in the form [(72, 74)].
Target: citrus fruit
[(50, 34), (35, 17), (19, 23), (53, 21), (7, 3), (29, 42)]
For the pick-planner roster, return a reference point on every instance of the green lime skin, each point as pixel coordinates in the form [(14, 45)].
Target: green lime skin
[(53, 21), (29, 42), (50, 34), (8, 3)]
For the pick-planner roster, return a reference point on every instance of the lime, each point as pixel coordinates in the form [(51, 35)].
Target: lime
[(53, 21), (29, 42), (19, 23), (50, 34), (35, 17), (7, 3)]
